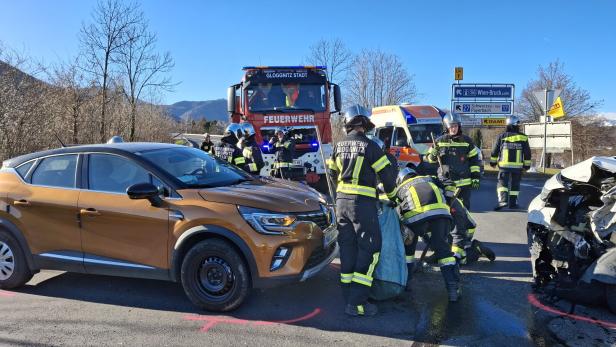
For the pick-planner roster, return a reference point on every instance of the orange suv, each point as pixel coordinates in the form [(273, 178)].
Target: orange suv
[(159, 211)]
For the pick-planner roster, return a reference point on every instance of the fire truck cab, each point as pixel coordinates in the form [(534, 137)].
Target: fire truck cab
[(296, 98)]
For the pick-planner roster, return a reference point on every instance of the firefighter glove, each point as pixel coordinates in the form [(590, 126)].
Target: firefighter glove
[(475, 183)]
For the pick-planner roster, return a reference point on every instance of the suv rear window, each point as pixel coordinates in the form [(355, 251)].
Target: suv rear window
[(57, 171)]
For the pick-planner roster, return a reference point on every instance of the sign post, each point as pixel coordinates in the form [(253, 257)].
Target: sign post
[(546, 98)]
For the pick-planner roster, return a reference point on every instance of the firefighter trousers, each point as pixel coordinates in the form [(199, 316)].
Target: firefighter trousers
[(508, 187), (465, 225), (436, 232), (359, 238), (464, 194)]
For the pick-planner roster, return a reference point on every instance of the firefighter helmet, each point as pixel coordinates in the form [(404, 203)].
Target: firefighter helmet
[(282, 130), (452, 118), (115, 139), (357, 115), (234, 129), (512, 121), (405, 174), (247, 129)]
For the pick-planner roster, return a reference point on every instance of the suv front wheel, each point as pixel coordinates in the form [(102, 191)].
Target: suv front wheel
[(14, 271), (214, 276)]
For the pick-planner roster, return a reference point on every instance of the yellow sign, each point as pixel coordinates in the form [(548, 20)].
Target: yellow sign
[(557, 110), (493, 122), (459, 73)]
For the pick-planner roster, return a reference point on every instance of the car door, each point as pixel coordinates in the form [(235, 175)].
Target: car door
[(120, 236), (45, 206)]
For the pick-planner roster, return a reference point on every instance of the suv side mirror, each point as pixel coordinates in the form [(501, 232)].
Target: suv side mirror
[(148, 191), (402, 143), (337, 98), (231, 100)]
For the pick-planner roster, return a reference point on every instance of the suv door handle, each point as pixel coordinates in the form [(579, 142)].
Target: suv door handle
[(21, 202), (89, 212)]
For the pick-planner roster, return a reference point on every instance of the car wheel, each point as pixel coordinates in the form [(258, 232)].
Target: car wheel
[(214, 276), (14, 271), (610, 297)]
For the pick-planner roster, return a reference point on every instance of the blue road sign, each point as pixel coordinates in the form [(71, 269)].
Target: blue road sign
[(501, 91)]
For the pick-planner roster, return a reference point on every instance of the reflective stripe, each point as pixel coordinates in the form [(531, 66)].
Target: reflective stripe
[(375, 260), (252, 167), (362, 279), (514, 193), (447, 261), (355, 189), (471, 232), (473, 152), (516, 138), (509, 165), (411, 216), (527, 162), (475, 169), (502, 189), (410, 259), (339, 163), (458, 250), (463, 182), (452, 144), (278, 165), (247, 152), (239, 160), (359, 162), (346, 278), (380, 164), (391, 194), (360, 309)]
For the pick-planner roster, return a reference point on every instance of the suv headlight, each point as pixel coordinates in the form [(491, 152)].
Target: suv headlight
[(267, 222)]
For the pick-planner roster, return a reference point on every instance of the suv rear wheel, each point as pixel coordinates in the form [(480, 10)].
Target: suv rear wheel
[(14, 271), (214, 276)]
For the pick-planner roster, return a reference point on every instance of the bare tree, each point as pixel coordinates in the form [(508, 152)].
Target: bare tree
[(577, 101), (335, 55), (377, 78), (102, 39), (143, 68)]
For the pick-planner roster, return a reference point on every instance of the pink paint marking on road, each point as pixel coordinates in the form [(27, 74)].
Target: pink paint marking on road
[(211, 322), (535, 302), (6, 294)]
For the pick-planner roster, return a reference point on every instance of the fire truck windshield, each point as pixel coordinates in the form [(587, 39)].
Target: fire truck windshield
[(286, 97)]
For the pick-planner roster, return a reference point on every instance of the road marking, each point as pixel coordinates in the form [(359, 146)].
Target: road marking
[(535, 302), (530, 185), (211, 322)]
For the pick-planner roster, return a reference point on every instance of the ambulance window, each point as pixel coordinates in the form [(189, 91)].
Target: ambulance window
[(401, 139), (385, 135)]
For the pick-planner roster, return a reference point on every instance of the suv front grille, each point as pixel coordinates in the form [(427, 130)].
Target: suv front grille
[(318, 255), (321, 219)]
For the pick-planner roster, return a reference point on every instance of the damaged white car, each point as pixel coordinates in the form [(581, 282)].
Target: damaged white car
[(572, 233)]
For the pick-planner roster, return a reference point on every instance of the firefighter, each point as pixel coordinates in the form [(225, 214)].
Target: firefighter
[(424, 210), (459, 158), (356, 162), (250, 150), (207, 145), (466, 249), (511, 153), (227, 149), (284, 147)]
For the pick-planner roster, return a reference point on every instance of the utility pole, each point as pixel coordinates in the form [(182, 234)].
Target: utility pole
[(545, 130)]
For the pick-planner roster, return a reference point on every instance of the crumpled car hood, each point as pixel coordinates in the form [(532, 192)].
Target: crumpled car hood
[(582, 172), (267, 194)]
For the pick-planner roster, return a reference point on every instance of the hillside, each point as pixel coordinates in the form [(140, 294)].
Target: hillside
[(210, 110)]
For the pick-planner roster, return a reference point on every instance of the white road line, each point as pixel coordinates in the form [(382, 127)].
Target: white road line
[(530, 185)]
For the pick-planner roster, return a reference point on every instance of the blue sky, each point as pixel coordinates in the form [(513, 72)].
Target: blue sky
[(495, 41)]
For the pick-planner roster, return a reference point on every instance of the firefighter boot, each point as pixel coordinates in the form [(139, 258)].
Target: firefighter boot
[(484, 250), (472, 255), (513, 201), (366, 309), (451, 275)]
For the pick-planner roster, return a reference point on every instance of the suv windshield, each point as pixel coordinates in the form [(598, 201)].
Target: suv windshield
[(194, 167), (286, 97), (421, 132)]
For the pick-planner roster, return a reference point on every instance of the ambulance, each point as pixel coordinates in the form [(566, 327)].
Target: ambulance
[(407, 130)]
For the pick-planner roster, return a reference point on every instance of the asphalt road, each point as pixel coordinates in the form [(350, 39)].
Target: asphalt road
[(58, 308)]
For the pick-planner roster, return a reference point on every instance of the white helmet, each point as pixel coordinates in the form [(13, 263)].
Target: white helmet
[(115, 139)]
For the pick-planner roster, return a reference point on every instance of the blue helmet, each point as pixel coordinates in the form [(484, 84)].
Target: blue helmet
[(234, 129)]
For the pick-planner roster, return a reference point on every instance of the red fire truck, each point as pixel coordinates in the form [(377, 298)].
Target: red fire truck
[(294, 97)]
